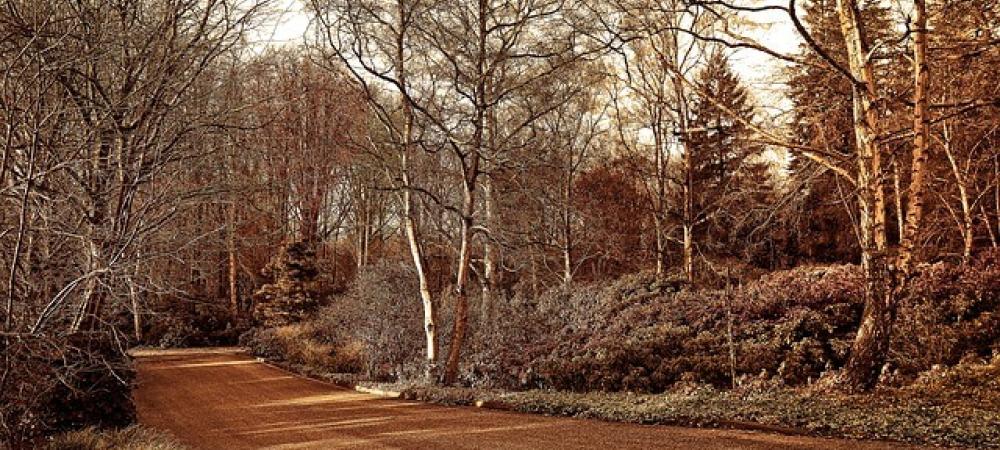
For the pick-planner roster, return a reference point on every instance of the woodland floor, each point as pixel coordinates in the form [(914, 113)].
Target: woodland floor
[(221, 398)]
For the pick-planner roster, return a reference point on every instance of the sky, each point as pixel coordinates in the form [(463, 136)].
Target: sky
[(289, 24), (761, 72)]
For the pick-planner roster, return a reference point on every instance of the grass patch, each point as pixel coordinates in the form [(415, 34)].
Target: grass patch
[(131, 438)]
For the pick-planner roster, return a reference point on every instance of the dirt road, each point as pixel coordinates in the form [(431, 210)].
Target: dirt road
[(222, 399)]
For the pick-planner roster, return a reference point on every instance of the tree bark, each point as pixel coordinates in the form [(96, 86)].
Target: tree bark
[(688, 189), (661, 201), (231, 251), (921, 120), (489, 254), (417, 255), (470, 166), (567, 226), (136, 311), (989, 226), (898, 197), (966, 225), (872, 341), (461, 295), (413, 238)]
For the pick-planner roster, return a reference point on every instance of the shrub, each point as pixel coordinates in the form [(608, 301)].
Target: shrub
[(297, 344), (186, 323), (58, 383), (376, 327), (380, 317), (643, 333), (952, 311)]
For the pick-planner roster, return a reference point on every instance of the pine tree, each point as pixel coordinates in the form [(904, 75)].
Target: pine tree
[(296, 287), (726, 171)]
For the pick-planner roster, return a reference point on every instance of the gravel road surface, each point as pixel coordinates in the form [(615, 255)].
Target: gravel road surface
[(223, 399)]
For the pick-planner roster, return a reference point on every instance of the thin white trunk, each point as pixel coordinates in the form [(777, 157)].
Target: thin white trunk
[(989, 226), (136, 311), (489, 254), (661, 201), (567, 225), (413, 237), (688, 189), (966, 224)]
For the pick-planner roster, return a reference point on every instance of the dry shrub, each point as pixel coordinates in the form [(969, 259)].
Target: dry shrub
[(379, 321), (295, 344), (180, 323), (641, 333), (374, 328), (644, 334), (131, 438), (952, 312), (58, 383)]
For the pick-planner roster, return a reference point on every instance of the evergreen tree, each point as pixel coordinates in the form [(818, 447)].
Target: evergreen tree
[(728, 174)]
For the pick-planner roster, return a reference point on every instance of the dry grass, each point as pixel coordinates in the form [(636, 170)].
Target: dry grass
[(300, 348), (131, 438)]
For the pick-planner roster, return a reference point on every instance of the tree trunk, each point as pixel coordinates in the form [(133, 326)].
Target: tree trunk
[(234, 296), (567, 225), (413, 238), (92, 297), (470, 174), (688, 254), (989, 226), (688, 190), (871, 345), (661, 202), (461, 296), (966, 225), (136, 311), (872, 341), (915, 204), (489, 265), (417, 255), (898, 197)]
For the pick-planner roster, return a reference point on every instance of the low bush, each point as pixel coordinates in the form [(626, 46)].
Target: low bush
[(192, 323), (58, 383), (302, 344), (643, 333), (380, 317), (375, 328), (952, 312)]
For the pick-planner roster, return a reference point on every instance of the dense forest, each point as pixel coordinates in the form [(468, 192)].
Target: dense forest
[(571, 195)]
